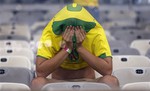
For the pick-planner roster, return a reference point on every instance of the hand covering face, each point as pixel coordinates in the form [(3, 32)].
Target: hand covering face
[(72, 15)]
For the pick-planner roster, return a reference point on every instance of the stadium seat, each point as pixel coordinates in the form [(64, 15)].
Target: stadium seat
[(117, 43), (15, 30), (124, 51), (15, 61), (25, 52), (140, 86), (5, 17), (71, 86), (16, 75), (132, 74), (14, 43), (8, 86), (148, 53), (124, 61), (129, 35), (141, 45), (13, 37)]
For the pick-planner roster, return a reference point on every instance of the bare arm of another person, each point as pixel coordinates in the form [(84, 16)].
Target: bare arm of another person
[(103, 66), (44, 67)]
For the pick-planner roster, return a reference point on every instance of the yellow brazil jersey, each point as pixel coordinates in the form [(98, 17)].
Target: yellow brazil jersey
[(75, 15), (87, 2)]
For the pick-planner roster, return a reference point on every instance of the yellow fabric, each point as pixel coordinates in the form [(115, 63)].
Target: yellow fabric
[(95, 41), (87, 2)]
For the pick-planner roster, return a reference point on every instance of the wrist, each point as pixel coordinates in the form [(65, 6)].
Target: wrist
[(79, 48), (68, 50)]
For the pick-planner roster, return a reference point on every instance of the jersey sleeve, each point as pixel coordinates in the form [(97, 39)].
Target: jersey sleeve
[(45, 44), (101, 46)]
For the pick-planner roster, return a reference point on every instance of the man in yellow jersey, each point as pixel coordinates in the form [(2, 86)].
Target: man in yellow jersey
[(91, 6), (73, 45)]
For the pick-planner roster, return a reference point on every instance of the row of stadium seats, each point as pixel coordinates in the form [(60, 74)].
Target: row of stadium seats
[(20, 31)]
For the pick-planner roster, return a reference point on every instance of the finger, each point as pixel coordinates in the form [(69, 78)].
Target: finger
[(78, 35), (64, 34), (82, 32), (69, 34)]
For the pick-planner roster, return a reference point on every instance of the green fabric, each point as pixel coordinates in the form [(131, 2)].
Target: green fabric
[(60, 26), (103, 55), (42, 57), (71, 8)]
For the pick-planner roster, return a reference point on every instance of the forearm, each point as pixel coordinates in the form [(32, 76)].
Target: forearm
[(99, 64), (48, 66)]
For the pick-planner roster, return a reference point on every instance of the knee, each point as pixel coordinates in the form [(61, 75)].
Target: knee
[(38, 82), (110, 80)]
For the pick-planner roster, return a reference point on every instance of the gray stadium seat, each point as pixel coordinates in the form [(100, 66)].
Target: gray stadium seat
[(142, 86), (124, 51), (25, 52), (131, 75), (9, 86), (124, 61), (71, 86), (148, 53), (15, 61), (117, 43), (129, 35), (16, 75), (13, 37), (141, 45), (21, 30), (14, 43)]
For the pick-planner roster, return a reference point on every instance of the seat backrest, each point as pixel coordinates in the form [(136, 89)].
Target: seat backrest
[(15, 61), (132, 74), (16, 75), (14, 43), (137, 86), (8, 86), (141, 45), (71, 86), (124, 61), (124, 51), (16, 30), (148, 53), (130, 35), (25, 52), (117, 43)]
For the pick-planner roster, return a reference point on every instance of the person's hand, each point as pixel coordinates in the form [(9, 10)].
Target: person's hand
[(80, 35), (67, 37)]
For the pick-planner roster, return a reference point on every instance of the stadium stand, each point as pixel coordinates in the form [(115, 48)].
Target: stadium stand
[(127, 28)]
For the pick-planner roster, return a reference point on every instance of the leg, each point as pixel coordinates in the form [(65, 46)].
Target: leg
[(112, 81), (38, 82)]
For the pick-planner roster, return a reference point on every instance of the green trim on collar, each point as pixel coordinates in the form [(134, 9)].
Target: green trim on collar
[(70, 7)]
